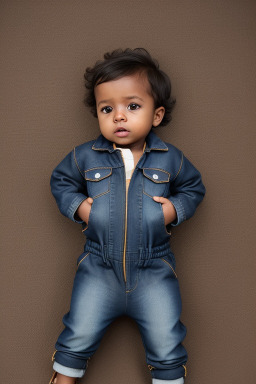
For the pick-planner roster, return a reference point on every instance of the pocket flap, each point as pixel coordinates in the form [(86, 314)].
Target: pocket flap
[(97, 174), (156, 175)]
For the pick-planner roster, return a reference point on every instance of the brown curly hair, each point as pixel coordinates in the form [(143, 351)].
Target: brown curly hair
[(120, 63)]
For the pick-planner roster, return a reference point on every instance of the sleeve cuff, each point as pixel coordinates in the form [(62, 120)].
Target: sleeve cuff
[(74, 206), (181, 215)]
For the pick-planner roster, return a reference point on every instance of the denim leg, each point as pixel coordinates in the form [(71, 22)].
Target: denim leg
[(97, 300), (155, 304)]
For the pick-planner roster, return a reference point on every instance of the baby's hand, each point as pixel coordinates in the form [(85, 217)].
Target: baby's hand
[(168, 209), (84, 209)]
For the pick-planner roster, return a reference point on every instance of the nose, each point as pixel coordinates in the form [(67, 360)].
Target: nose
[(119, 115)]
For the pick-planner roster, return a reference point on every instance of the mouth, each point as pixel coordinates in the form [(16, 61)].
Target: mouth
[(121, 132), (121, 129)]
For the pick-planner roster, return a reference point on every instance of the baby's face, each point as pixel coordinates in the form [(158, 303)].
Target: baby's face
[(126, 111)]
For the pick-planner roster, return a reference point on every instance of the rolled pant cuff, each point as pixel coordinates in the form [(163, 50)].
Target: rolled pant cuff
[(176, 381), (169, 374), (71, 361), (67, 371)]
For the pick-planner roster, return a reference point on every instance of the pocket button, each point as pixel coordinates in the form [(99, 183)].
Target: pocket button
[(97, 175), (155, 176)]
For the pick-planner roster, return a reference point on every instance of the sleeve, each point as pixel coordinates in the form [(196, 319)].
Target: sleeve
[(187, 191), (68, 186)]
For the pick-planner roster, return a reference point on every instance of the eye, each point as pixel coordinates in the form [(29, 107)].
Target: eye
[(107, 109), (133, 106)]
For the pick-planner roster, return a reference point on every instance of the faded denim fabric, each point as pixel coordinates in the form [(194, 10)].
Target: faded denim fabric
[(127, 267)]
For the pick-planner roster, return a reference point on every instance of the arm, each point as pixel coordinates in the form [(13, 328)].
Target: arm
[(186, 193), (69, 187)]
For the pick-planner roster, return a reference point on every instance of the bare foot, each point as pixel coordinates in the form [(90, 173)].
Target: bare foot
[(61, 379)]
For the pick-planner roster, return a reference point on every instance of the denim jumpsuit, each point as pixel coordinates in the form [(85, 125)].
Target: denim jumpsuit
[(127, 267)]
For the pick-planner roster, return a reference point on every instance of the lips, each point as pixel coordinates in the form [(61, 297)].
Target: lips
[(120, 129), (121, 132)]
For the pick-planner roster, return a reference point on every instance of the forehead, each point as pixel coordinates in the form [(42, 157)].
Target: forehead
[(127, 86)]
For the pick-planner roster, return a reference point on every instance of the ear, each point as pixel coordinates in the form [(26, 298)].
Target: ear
[(158, 116)]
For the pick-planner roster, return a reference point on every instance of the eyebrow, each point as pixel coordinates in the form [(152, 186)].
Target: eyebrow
[(127, 98)]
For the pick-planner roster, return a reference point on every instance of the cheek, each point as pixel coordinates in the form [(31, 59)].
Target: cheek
[(105, 126), (102, 121)]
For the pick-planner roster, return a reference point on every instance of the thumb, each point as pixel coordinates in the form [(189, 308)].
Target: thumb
[(159, 199), (89, 200)]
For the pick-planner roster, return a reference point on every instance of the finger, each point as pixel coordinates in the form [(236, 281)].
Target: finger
[(89, 200), (160, 199)]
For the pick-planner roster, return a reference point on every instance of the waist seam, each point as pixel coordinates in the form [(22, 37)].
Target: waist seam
[(108, 252)]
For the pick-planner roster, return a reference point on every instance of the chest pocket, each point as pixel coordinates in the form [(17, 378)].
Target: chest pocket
[(155, 182), (98, 181)]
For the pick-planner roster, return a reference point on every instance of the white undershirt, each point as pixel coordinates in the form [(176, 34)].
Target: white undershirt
[(128, 161)]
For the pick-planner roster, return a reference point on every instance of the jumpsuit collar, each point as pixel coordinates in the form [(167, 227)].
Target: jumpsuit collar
[(153, 142)]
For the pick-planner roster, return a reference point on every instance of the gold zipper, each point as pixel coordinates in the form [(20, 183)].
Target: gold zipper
[(126, 204), (125, 237), (125, 226)]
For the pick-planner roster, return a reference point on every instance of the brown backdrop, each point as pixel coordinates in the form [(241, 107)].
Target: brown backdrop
[(208, 49)]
